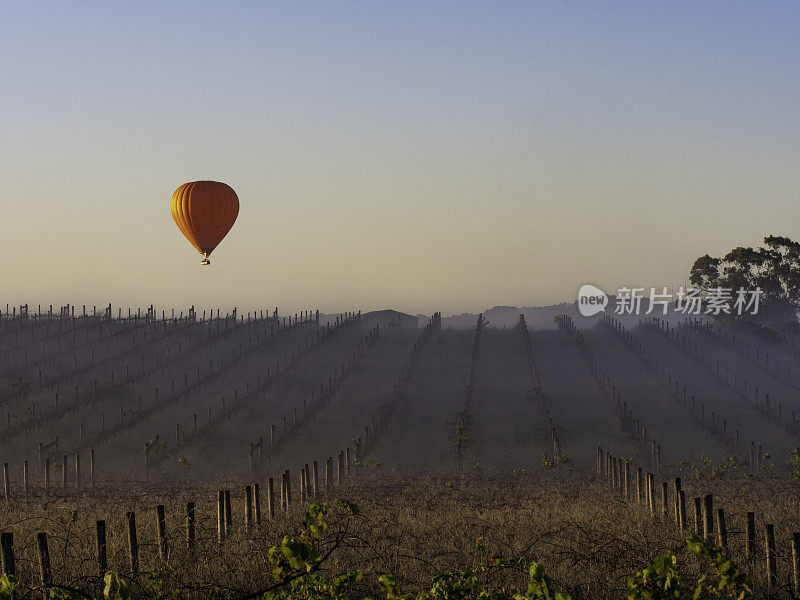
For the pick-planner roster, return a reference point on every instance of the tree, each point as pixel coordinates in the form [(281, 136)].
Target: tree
[(774, 268)]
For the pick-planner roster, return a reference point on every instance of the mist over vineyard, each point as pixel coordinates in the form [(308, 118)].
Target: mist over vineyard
[(238, 396)]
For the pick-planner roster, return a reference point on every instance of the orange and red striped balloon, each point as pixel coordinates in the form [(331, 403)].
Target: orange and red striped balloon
[(204, 211)]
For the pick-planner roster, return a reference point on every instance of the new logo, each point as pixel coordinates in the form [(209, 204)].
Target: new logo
[(591, 300)]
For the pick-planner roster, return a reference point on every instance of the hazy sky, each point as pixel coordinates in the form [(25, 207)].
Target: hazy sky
[(414, 155)]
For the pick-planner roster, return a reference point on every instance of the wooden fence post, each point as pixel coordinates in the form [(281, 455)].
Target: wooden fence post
[(328, 475), (228, 513), (257, 503), (772, 566), (221, 516), (133, 544), (302, 484), (7, 549), (77, 470), (6, 483), (722, 530), (102, 557), (698, 516), (751, 536), (161, 532), (270, 498), (708, 518), (639, 485), (45, 575), (316, 481)]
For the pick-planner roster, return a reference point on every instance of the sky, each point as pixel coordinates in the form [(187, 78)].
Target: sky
[(419, 156)]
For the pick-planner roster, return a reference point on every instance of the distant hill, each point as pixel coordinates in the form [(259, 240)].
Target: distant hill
[(541, 317), (382, 316), (537, 317)]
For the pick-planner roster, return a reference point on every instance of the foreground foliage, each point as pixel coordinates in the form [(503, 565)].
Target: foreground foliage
[(298, 563), (528, 536)]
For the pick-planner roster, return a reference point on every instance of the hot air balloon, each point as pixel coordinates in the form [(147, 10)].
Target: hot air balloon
[(204, 211)]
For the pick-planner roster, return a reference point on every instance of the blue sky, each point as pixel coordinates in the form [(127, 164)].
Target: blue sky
[(421, 156)]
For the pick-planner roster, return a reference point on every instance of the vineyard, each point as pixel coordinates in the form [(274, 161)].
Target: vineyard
[(201, 454)]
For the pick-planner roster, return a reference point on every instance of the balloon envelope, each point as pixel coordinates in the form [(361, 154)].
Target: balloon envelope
[(204, 211)]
